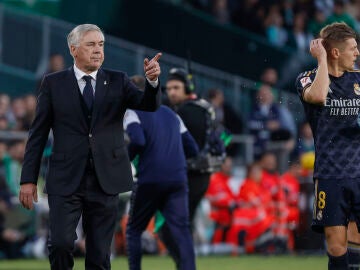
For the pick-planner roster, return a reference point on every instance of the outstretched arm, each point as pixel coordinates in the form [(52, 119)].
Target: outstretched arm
[(150, 99)]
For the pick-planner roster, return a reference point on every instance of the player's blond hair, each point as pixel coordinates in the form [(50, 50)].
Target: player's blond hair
[(335, 34)]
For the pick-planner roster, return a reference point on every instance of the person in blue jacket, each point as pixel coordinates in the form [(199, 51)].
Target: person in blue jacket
[(163, 143)]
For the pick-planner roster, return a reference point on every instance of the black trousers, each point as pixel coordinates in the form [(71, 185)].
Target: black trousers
[(99, 211), (198, 184)]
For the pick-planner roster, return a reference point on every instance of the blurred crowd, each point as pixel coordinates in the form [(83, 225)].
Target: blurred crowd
[(256, 211), (291, 23)]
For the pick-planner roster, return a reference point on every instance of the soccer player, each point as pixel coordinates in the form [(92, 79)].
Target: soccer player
[(330, 94)]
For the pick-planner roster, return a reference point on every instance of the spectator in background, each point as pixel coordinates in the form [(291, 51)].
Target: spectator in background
[(56, 63), (4, 105), (222, 201), (220, 11), (30, 110), (306, 139), (11, 239), (298, 38), (340, 15), (265, 121), (4, 124), (353, 9), (289, 182), (269, 76), (252, 222), (274, 27), (226, 116), (326, 6), (287, 11), (13, 165), (19, 111), (305, 149), (316, 23), (5, 109), (3, 153), (250, 15), (277, 207)]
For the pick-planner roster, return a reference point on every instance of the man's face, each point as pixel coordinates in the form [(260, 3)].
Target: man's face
[(176, 92), (89, 55), (265, 96), (348, 54), (56, 63)]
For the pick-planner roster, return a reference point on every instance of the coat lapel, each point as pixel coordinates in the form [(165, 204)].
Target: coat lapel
[(102, 83)]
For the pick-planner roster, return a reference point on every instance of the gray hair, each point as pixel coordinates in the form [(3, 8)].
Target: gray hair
[(74, 37)]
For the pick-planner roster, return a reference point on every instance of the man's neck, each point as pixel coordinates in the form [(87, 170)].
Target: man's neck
[(335, 70)]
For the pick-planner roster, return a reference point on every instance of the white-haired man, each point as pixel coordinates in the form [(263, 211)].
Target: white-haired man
[(84, 106)]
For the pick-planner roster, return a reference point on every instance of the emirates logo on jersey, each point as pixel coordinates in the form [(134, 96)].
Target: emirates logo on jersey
[(357, 89)]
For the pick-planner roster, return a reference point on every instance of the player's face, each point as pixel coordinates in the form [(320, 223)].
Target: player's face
[(176, 91), (89, 55), (348, 54)]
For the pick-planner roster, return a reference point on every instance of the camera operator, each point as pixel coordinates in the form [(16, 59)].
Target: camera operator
[(198, 116)]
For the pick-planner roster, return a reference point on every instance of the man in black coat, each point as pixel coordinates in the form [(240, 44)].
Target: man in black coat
[(84, 107)]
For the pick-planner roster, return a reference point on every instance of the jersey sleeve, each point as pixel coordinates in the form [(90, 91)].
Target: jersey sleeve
[(182, 126), (129, 118), (303, 81)]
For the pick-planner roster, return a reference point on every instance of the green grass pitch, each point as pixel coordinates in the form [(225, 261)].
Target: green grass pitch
[(203, 263)]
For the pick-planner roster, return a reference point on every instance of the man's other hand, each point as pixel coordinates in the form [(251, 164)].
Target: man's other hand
[(28, 195)]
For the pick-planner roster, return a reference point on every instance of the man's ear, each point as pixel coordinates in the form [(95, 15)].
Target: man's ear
[(73, 50), (335, 53)]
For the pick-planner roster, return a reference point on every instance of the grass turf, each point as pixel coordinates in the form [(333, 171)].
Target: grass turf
[(203, 263)]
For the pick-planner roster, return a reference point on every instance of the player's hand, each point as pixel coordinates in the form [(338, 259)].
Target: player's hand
[(317, 49), (27, 195), (152, 68)]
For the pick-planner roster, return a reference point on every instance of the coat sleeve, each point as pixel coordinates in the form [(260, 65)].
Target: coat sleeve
[(38, 135), (147, 100)]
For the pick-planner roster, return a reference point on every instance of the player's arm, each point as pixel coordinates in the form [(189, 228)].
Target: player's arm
[(317, 91), (133, 127)]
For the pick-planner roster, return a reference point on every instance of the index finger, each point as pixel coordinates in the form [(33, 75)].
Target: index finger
[(157, 57)]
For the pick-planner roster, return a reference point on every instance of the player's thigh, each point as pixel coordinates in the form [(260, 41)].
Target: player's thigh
[(355, 211), (336, 238), (353, 234)]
